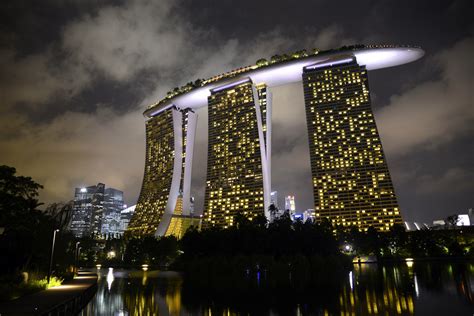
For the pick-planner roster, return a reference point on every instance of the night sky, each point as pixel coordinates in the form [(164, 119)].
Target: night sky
[(76, 76)]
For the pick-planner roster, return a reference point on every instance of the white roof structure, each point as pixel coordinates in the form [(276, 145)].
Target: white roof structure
[(285, 72)]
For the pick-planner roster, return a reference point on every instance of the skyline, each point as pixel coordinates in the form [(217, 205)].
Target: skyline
[(72, 104)]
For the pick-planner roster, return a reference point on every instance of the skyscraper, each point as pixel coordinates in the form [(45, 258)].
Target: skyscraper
[(169, 151), (290, 204), (351, 181), (274, 199), (237, 170), (125, 216), (95, 209), (238, 179), (113, 205)]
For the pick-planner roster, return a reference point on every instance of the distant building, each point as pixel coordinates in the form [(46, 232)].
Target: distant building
[(463, 220), (95, 210), (274, 199), (412, 226), (297, 217), (113, 205), (125, 216), (290, 204), (309, 214)]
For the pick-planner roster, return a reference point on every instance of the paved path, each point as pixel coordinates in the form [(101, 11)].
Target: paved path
[(66, 299)]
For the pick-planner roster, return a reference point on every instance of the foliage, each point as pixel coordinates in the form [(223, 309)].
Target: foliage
[(159, 252), (398, 243), (14, 287), (43, 283), (26, 242)]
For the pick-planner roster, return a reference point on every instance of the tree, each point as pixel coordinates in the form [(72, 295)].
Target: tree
[(18, 198), (26, 227), (452, 220), (273, 211), (262, 62), (61, 213)]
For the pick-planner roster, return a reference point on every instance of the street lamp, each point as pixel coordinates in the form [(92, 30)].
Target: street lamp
[(52, 254), (76, 256)]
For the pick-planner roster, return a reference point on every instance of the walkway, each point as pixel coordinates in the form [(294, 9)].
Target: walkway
[(66, 299)]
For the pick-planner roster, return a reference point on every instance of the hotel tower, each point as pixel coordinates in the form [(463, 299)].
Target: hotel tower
[(351, 181), (165, 196), (238, 153)]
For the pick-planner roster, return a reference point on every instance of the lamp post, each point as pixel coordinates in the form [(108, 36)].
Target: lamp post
[(52, 254), (76, 256)]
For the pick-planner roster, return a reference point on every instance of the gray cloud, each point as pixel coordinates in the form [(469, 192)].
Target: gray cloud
[(120, 41), (433, 112)]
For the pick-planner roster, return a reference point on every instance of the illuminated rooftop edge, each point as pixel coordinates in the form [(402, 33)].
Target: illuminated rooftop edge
[(288, 71)]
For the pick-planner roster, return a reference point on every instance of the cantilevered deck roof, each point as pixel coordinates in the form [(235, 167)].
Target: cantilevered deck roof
[(289, 71)]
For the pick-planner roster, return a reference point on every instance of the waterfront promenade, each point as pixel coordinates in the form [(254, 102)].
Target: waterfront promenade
[(66, 299)]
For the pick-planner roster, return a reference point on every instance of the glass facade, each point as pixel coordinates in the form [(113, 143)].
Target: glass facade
[(158, 175), (166, 175), (96, 211), (351, 181), (235, 171)]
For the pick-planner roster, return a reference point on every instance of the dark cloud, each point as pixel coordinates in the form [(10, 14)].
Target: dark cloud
[(76, 76)]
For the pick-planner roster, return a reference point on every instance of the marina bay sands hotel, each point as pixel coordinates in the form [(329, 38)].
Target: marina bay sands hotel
[(351, 181)]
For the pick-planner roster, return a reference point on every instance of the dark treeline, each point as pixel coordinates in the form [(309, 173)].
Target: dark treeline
[(281, 253), (399, 244)]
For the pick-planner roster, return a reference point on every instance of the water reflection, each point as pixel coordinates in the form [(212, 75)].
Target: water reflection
[(110, 278), (369, 289)]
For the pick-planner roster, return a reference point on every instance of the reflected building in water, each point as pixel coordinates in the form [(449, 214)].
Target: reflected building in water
[(369, 289)]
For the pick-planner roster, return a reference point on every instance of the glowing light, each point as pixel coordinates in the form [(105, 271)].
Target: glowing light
[(84, 277), (111, 254), (144, 267), (351, 283), (330, 63), (417, 291), (65, 287), (98, 266), (110, 278), (83, 190), (230, 85), (409, 262)]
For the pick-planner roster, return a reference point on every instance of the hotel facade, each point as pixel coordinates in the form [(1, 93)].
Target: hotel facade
[(351, 181)]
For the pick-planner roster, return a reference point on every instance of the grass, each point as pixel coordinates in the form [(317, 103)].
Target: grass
[(12, 290)]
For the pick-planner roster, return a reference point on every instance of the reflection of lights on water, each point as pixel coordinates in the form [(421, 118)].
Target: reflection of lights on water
[(417, 291), (258, 277), (350, 280), (110, 277), (145, 276)]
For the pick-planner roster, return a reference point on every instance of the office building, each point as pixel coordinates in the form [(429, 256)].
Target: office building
[(96, 211)]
